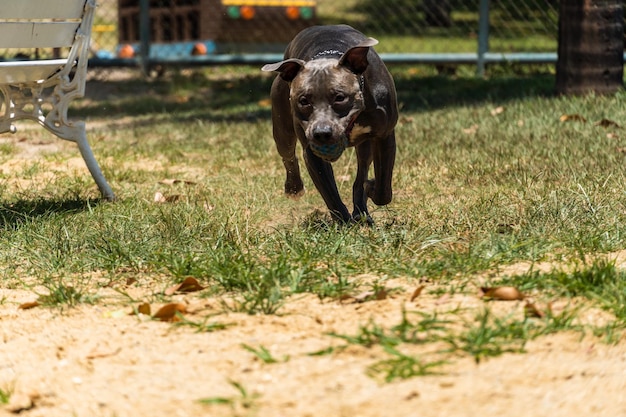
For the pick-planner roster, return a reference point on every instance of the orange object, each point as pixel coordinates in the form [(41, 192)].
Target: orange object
[(126, 51), (292, 12), (247, 12), (199, 49)]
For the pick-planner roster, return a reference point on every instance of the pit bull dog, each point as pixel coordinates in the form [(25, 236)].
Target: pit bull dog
[(333, 91)]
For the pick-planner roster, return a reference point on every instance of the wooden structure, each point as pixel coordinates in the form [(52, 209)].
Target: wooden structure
[(220, 21)]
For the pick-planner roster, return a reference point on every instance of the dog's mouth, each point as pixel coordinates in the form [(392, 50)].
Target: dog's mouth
[(330, 151)]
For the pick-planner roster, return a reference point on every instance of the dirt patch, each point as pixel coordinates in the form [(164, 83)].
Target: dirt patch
[(102, 360)]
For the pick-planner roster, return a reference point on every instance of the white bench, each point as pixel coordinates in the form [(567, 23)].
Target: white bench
[(42, 89)]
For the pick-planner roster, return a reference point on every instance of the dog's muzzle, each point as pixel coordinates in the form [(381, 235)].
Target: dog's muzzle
[(330, 151)]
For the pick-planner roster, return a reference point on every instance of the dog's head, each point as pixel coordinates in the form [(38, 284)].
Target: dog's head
[(326, 95)]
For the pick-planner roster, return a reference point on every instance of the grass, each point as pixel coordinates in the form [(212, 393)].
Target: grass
[(487, 176)]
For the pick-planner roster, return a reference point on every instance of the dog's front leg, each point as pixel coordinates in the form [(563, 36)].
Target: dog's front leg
[(323, 177), (384, 156), (359, 197)]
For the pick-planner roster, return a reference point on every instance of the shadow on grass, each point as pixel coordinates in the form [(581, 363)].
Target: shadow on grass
[(244, 98), (14, 214), (430, 93)]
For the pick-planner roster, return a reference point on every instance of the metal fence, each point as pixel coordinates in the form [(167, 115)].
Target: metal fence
[(213, 32), (209, 32)]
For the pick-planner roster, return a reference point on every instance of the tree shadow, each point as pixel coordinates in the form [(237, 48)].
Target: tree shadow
[(17, 213), (245, 98), (430, 93)]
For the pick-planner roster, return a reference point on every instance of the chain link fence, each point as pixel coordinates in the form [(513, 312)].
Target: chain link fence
[(235, 31), (210, 32)]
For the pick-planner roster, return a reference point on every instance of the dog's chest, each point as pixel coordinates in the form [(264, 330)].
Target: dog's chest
[(358, 131)]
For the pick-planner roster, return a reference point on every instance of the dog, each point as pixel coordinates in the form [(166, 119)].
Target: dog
[(332, 92)]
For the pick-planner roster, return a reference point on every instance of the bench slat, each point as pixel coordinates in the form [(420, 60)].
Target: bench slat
[(15, 72), (37, 35), (41, 9)]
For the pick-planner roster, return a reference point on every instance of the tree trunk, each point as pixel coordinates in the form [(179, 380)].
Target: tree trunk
[(591, 47)]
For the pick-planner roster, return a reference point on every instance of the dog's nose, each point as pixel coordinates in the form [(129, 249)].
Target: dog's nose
[(323, 133)]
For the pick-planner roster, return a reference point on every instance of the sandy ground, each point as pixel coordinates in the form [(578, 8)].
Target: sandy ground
[(102, 360)]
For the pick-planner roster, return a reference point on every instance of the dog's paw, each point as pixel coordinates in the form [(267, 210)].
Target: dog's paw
[(362, 219), (295, 194), (380, 196)]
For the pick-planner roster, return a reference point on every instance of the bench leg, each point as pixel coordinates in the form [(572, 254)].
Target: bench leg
[(92, 165)]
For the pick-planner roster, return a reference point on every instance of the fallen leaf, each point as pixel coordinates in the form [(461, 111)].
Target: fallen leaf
[(160, 198), (190, 284), (29, 305), (572, 118), (502, 293), (97, 355), (363, 296), (611, 136), (607, 123), (144, 309), (168, 312), (532, 311), (417, 292), (172, 181), (130, 281), (471, 130), (498, 110), (370, 295)]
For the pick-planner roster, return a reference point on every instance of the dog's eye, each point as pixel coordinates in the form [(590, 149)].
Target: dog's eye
[(303, 101), (340, 98)]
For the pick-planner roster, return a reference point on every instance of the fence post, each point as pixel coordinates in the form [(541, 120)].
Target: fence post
[(483, 36), (144, 35)]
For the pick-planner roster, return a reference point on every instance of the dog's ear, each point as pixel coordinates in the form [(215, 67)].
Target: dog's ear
[(355, 59), (288, 69)]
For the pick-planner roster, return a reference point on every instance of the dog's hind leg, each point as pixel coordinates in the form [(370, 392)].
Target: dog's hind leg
[(384, 156), (359, 197)]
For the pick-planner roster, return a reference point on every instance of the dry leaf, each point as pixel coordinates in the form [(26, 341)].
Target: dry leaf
[(502, 293), (130, 281), (97, 355), (611, 136), (572, 118), (498, 110), (417, 292), (168, 312), (378, 295), (607, 123), (144, 309), (172, 181), (531, 311), (363, 296), (29, 305), (471, 130), (190, 284), (160, 198)]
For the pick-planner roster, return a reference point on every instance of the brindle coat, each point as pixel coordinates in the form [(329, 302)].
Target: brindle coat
[(333, 91)]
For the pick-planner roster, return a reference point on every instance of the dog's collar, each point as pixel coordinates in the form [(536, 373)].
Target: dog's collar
[(327, 52)]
